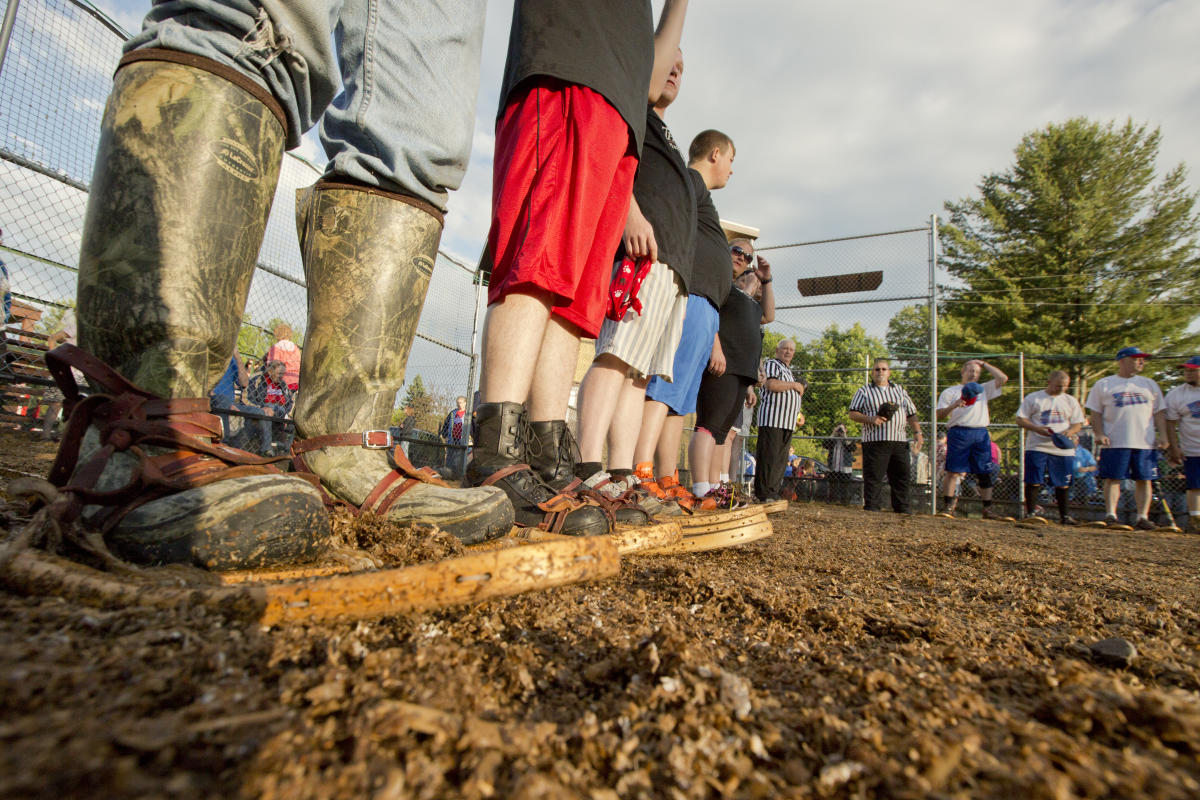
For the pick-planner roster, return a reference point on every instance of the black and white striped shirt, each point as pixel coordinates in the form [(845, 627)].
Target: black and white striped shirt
[(869, 398), (778, 409)]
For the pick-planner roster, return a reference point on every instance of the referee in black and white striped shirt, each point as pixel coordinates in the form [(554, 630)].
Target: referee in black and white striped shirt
[(884, 441)]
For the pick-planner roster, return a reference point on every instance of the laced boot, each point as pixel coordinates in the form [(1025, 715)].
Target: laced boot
[(185, 175), (553, 455), (368, 257), (501, 433)]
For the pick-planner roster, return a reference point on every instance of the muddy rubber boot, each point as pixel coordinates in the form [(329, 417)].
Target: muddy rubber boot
[(553, 455), (185, 175), (498, 460), (368, 257)]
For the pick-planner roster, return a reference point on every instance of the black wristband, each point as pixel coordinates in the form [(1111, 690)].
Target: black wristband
[(768, 280)]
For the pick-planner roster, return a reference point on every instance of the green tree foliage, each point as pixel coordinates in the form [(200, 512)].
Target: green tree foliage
[(829, 392), (1074, 249), (429, 407)]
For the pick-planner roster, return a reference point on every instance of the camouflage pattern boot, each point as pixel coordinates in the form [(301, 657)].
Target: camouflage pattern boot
[(185, 173), (368, 257)]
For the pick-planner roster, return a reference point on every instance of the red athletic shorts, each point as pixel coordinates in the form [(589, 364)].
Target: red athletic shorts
[(563, 176)]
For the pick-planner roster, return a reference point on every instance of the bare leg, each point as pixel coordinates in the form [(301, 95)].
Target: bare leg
[(1112, 495), (700, 457), (653, 415), (555, 372), (666, 455), (626, 424), (950, 483), (1142, 494), (512, 335), (599, 395), (720, 460)]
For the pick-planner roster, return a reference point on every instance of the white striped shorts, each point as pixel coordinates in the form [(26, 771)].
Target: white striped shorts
[(647, 342)]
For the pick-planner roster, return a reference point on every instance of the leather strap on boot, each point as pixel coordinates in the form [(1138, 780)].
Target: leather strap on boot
[(557, 507), (386, 492), (129, 419)]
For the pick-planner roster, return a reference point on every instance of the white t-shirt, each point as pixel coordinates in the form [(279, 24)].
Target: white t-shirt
[(1059, 412), (1127, 406), (1183, 404), (972, 416)]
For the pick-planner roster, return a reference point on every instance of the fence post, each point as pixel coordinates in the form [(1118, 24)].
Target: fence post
[(1021, 438), (473, 373), (10, 19), (933, 364)]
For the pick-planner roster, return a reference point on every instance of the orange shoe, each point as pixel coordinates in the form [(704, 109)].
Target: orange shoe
[(669, 484), (644, 473)]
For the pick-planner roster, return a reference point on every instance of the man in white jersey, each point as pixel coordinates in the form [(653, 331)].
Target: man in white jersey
[(1183, 435), (1125, 411), (968, 447), (1052, 417)]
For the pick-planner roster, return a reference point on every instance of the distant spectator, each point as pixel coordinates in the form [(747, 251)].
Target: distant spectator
[(286, 351), (1127, 412), (839, 451), (965, 407), (456, 430), (886, 414), (778, 410), (6, 292), (793, 463), (1084, 479), (1052, 417), (268, 394), (223, 396), (1183, 435)]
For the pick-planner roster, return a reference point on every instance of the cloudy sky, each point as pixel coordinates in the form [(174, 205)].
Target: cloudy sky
[(867, 115)]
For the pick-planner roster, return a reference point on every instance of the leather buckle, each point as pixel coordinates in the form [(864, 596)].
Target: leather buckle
[(371, 443)]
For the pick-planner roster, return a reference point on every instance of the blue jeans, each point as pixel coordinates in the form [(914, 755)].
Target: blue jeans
[(410, 72)]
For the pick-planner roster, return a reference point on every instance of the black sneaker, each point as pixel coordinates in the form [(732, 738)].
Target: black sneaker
[(1067, 520), (1144, 524)]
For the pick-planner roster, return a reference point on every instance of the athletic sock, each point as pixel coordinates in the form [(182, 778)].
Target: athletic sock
[(1060, 497), (948, 503), (724, 477), (586, 469), (700, 488), (1032, 490)]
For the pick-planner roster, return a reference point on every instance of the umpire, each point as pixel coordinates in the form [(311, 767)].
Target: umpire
[(885, 409)]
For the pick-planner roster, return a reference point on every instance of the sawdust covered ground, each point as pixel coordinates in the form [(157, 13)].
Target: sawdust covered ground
[(850, 655)]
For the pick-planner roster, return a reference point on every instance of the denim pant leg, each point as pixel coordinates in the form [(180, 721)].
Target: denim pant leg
[(410, 68)]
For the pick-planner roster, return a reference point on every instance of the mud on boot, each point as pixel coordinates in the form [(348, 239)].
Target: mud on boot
[(498, 460), (553, 455), (368, 257)]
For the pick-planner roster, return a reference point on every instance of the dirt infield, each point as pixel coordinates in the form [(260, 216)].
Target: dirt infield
[(848, 655)]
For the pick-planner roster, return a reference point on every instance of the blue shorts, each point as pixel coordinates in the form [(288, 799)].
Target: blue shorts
[(968, 450), (1191, 469), (691, 359), (1126, 463), (1047, 469)]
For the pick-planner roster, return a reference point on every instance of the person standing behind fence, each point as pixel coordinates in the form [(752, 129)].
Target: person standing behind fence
[(1183, 435), (1126, 408), (287, 352), (1052, 417), (456, 430), (778, 410), (884, 409), (968, 447)]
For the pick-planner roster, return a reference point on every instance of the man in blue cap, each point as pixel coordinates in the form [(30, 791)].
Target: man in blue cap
[(1052, 417), (968, 446), (1126, 411), (1183, 435)]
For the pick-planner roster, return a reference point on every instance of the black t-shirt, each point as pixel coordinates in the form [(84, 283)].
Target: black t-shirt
[(667, 198), (605, 45), (712, 268), (741, 333)]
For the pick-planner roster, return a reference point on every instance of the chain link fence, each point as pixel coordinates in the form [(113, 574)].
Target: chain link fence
[(56, 76), (845, 302)]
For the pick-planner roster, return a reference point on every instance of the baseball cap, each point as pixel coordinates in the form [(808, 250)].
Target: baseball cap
[(1126, 352), (1191, 363), (1062, 442), (971, 391)]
